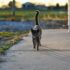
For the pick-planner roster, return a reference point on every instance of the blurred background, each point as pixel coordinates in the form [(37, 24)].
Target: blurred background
[(24, 9), (51, 12), (18, 16)]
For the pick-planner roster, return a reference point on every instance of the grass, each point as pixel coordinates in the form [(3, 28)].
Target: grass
[(8, 39), (30, 15), (11, 38)]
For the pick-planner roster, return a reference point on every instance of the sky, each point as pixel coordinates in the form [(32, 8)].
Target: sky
[(46, 2), (51, 2)]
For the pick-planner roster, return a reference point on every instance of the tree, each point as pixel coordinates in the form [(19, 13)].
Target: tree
[(57, 5), (66, 6), (10, 4)]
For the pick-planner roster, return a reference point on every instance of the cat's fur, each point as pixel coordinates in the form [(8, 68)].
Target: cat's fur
[(36, 33)]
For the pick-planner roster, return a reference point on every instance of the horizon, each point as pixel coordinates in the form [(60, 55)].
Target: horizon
[(44, 2)]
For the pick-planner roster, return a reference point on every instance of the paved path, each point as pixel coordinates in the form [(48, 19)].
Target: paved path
[(53, 55)]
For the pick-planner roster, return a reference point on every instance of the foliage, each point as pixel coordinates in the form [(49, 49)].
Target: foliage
[(7, 39), (30, 15)]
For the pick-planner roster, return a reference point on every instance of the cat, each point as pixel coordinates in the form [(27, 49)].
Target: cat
[(36, 33)]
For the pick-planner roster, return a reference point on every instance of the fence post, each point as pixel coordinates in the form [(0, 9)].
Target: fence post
[(13, 9)]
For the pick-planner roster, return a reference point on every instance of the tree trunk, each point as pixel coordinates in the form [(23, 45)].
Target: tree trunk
[(13, 9)]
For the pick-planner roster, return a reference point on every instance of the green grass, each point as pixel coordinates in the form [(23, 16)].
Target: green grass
[(30, 15), (8, 39)]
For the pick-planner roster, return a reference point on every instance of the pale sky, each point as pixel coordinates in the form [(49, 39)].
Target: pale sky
[(46, 2), (50, 2)]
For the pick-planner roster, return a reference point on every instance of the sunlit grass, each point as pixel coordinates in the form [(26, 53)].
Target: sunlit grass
[(30, 15), (8, 39)]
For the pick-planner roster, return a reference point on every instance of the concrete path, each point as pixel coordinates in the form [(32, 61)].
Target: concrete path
[(54, 53)]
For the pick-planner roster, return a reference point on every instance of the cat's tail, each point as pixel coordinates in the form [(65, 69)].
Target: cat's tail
[(36, 17)]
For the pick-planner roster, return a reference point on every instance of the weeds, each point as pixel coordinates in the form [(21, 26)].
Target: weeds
[(8, 39)]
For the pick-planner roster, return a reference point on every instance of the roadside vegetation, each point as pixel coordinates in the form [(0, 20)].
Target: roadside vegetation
[(24, 15), (8, 39), (27, 11), (58, 14)]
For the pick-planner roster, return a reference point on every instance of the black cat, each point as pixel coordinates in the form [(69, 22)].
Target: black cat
[(36, 33)]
